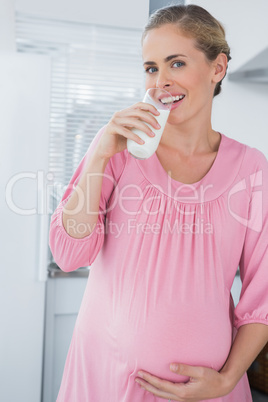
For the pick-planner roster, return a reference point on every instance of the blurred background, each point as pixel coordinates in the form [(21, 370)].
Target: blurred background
[(65, 67)]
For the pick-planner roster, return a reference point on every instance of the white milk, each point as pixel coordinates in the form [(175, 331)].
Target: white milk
[(144, 151)]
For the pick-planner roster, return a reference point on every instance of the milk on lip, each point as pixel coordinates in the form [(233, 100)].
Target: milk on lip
[(144, 151)]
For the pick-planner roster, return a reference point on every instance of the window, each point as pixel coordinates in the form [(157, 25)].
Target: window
[(96, 70)]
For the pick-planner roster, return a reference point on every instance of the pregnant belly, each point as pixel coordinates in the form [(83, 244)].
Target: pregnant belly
[(151, 335), (195, 335)]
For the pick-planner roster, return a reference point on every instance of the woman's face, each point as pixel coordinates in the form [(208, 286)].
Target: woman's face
[(172, 62)]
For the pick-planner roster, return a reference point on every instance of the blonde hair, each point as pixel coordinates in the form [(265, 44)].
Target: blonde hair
[(196, 22)]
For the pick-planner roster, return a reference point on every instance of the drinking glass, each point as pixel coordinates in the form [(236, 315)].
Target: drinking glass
[(159, 98)]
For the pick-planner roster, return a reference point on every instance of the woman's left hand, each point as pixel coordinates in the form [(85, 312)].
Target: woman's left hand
[(204, 383)]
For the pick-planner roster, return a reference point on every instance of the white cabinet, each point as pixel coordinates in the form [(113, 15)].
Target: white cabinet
[(236, 289), (255, 70), (63, 300)]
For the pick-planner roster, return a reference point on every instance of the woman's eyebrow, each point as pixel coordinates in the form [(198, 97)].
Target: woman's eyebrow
[(168, 58)]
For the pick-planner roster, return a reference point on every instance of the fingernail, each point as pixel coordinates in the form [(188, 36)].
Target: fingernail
[(158, 125), (174, 367), (152, 133), (140, 374)]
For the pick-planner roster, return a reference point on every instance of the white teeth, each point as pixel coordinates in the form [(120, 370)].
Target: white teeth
[(167, 100), (172, 99)]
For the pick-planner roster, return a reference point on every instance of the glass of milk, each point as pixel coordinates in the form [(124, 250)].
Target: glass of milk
[(160, 99)]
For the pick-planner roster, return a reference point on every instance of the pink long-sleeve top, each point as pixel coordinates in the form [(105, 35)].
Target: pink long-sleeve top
[(163, 258)]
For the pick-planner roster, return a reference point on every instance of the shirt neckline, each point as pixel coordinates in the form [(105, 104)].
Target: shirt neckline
[(205, 177), (218, 179)]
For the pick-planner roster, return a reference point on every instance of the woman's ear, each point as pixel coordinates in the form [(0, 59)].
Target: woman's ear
[(220, 66)]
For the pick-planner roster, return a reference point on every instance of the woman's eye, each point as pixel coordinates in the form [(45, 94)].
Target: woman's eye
[(150, 70), (178, 64)]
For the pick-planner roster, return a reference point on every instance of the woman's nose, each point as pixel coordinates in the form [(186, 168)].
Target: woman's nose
[(163, 81)]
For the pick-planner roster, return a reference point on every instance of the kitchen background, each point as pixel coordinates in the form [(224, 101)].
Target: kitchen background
[(65, 67)]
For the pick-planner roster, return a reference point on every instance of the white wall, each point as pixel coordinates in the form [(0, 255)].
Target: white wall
[(7, 25), (241, 111), (122, 13), (24, 135)]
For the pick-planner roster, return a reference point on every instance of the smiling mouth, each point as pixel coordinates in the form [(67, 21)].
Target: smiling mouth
[(171, 99)]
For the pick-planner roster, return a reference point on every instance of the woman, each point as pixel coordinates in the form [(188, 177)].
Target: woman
[(166, 236)]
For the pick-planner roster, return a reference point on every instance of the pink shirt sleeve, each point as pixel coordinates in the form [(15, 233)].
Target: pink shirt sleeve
[(70, 253), (253, 304)]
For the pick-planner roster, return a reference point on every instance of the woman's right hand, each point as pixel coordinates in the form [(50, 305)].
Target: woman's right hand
[(118, 130)]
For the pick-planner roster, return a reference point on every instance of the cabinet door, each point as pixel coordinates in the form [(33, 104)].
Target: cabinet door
[(236, 289), (64, 296)]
